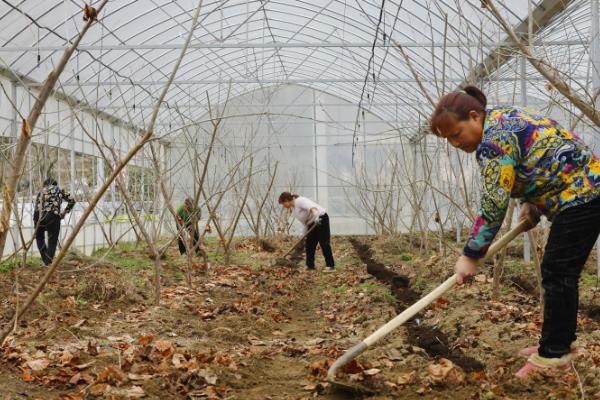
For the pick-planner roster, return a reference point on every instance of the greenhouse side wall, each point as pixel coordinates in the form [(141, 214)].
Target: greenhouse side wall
[(61, 148), (327, 150)]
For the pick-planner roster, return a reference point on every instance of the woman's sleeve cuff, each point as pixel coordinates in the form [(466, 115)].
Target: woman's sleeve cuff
[(477, 254)]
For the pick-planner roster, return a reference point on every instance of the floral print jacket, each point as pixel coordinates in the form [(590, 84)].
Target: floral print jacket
[(532, 158), (49, 200)]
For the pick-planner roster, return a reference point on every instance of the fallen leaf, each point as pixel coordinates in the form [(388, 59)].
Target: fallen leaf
[(478, 376), (92, 349), (112, 375), (66, 358), (134, 392), (38, 365), (423, 390), (75, 379), (386, 362), (99, 389), (208, 376), (164, 348), (27, 377), (445, 372), (371, 372), (319, 368), (432, 261), (225, 282), (79, 323), (314, 342), (108, 391), (125, 338), (139, 377), (84, 366), (68, 303), (178, 360), (442, 301), (406, 379), (81, 376), (144, 340), (14, 356), (353, 367)]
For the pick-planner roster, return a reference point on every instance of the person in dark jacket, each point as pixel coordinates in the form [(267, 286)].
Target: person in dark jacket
[(47, 215)]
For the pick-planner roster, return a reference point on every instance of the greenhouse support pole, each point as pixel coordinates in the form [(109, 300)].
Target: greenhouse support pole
[(315, 144), (413, 147), (595, 53), (15, 114), (526, 242), (72, 174), (15, 134), (112, 185), (72, 155)]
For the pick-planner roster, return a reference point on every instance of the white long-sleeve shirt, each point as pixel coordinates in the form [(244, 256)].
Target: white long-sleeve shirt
[(302, 207)]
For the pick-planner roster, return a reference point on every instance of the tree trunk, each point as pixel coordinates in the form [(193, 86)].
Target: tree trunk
[(157, 268), (537, 267)]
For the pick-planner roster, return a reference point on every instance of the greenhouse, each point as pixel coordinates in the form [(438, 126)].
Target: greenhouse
[(289, 199)]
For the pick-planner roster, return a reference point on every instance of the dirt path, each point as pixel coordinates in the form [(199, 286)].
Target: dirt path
[(286, 371)]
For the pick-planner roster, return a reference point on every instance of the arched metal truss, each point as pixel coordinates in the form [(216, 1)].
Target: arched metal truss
[(342, 47)]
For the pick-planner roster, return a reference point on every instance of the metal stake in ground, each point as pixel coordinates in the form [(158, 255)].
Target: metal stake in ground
[(410, 312)]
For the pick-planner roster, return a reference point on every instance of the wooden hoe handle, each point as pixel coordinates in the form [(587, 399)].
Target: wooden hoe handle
[(419, 305)]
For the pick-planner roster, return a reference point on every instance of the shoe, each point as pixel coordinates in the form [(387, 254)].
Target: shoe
[(535, 362), (329, 269), (310, 268), (528, 351)]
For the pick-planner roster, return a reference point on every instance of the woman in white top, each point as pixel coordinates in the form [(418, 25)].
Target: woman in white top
[(309, 213)]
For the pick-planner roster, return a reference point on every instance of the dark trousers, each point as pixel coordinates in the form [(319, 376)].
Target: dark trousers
[(321, 235), (195, 235), (572, 236), (49, 223)]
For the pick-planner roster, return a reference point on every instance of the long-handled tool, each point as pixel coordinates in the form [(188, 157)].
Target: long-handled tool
[(407, 314), (281, 260)]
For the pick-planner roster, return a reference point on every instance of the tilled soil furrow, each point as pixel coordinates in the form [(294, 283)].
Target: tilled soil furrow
[(431, 339)]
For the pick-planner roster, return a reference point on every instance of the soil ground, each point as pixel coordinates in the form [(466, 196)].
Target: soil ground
[(256, 330)]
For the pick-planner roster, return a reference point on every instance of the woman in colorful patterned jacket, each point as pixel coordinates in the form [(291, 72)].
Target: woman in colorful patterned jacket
[(47, 215), (553, 173)]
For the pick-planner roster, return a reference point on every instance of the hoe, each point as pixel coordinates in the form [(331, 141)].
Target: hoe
[(407, 314)]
